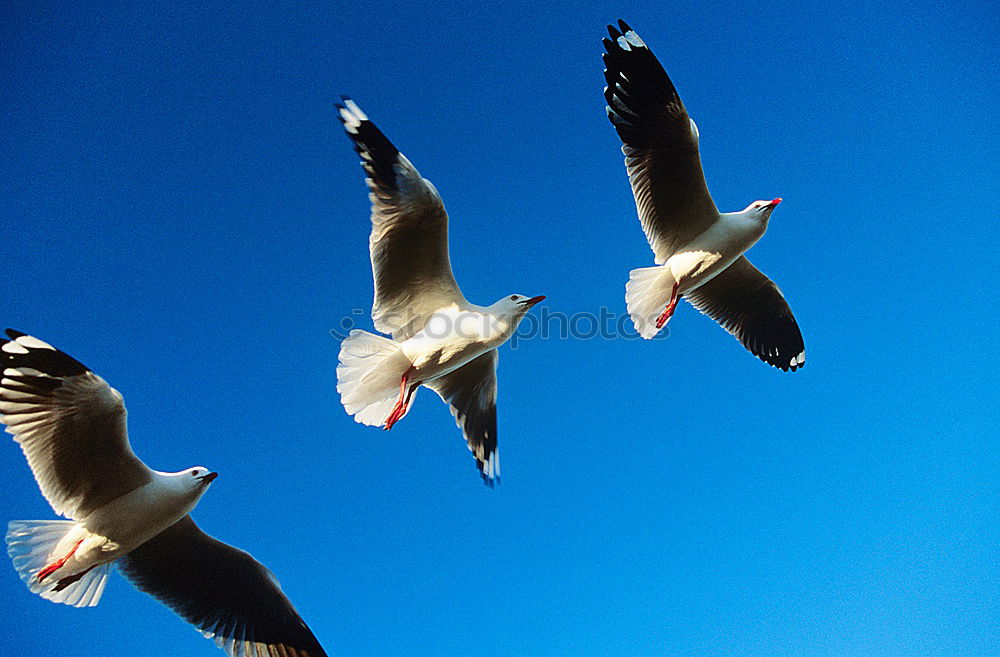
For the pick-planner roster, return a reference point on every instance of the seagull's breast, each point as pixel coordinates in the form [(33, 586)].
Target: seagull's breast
[(132, 519), (711, 252), (120, 526), (452, 337)]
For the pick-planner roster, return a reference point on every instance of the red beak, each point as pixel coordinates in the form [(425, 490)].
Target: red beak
[(533, 300), (774, 202)]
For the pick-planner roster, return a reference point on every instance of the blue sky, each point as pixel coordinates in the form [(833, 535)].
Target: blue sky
[(185, 216)]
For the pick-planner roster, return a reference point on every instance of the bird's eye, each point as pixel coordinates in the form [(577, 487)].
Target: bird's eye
[(513, 297), (194, 473)]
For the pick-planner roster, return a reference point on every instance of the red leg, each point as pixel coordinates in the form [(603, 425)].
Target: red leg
[(669, 310), (399, 410), (57, 564), (406, 405), (72, 579)]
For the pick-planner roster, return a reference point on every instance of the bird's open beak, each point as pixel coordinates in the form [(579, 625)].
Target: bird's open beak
[(533, 300), (774, 202), (209, 478)]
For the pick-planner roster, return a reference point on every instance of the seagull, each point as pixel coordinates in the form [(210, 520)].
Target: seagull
[(698, 250), (70, 425), (439, 339)]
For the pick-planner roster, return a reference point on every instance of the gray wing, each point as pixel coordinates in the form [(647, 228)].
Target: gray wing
[(471, 392), (750, 306), (409, 238), (224, 592), (70, 425), (660, 143)]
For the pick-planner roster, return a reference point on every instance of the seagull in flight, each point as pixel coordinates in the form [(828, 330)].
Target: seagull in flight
[(698, 250), (439, 339), (70, 425)]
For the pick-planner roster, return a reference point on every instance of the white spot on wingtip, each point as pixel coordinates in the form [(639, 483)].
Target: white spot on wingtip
[(634, 39), (623, 43), (353, 107), (801, 358), (351, 122), (13, 347), (33, 343)]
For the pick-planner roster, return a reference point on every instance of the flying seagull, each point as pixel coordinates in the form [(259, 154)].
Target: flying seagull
[(439, 339), (698, 250), (70, 425)]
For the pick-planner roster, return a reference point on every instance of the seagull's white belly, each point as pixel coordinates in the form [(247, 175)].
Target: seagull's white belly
[(450, 339), (712, 252), (692, 268), (432, 359), (119, 527)]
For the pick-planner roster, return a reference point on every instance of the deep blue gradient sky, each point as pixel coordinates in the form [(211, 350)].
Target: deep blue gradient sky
[(184, 215)]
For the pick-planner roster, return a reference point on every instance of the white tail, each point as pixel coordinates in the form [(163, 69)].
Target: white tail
[(368, 376), (30, 545), (646, 295)]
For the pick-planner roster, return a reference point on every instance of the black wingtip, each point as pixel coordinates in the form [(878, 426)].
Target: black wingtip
[(379, 155), (624, 26), (45, 358), (482, 464), (781, 360)]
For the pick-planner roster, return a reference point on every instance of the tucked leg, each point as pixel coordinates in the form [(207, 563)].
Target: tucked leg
[(58, 563), (72, 579), (399, 410), (669, 310)]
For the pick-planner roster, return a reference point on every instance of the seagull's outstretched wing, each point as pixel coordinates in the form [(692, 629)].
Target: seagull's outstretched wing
[(70, 424), (471, 392), (409, 238), (660, 143), (750, 306), (224, 592)]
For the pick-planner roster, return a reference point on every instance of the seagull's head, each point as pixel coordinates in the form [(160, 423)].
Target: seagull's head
[(761, 210), (184, 488), (510, 310), (197, 478), (516, 305)]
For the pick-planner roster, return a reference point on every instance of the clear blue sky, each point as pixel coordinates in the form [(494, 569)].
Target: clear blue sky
[(184, 215)]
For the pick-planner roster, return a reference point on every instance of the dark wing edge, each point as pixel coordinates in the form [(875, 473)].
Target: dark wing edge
[(750, 307), (642, 102), (221, 590), (70, 424), (379, 156), (659, 141), (411, 264), (471, 393)]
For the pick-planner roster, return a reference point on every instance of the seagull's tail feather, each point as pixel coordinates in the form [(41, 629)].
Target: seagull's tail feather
[(31, 545), (368, 376), (646, 296)]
